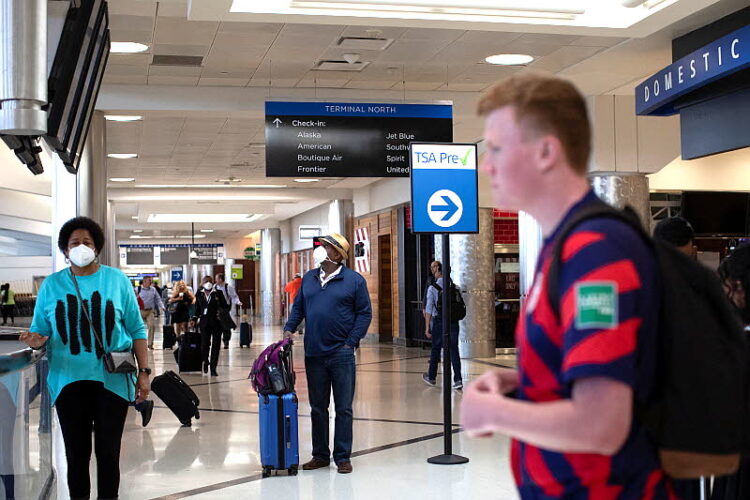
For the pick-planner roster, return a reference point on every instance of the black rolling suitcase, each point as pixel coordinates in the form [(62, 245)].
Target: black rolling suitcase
[(246, 334), (168, 337), (189, 355), (177, 395)]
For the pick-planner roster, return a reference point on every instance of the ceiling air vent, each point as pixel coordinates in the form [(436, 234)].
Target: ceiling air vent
[(363, 43), (331, 65), (169, 60)]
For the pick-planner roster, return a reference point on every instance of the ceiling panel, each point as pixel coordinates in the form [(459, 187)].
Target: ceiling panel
[(130, 7), (175, 31), (174, 71), (127, 35), (173, 80)]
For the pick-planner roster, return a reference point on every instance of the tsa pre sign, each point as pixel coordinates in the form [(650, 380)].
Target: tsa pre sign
[(444, 188)]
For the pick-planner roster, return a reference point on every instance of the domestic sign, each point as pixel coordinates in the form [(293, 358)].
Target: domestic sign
[(444, 188), (727, 55), (327, 139)]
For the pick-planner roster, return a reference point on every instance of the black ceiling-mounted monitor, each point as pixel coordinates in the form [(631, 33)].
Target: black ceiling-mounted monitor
[(716, 213), (76, 77)]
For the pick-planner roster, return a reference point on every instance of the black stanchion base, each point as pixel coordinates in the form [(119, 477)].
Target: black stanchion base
[(448, 460)]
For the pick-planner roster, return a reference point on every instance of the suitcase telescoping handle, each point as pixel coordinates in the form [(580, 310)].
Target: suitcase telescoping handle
[(288, 432)]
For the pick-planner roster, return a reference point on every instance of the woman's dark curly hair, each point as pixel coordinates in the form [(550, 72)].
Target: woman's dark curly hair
[(81, 223)]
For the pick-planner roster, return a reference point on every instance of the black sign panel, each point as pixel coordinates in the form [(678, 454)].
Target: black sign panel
[(206, 255), (314, 139), (140, 256), (174, 255)]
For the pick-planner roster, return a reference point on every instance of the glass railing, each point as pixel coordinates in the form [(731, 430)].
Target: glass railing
[(25, 424)]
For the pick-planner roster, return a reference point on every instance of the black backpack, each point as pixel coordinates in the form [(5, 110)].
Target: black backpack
[(697, 413), (457, 305)]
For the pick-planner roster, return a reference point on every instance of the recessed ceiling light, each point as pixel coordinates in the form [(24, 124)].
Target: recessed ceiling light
[(122, 179), (137, 230), (306, 180), (207, 230), (127, 48), (510, 59), (123, 156), (134, 217), (123, 118), (229, 179)]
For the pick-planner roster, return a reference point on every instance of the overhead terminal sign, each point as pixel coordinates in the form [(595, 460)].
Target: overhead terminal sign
[(444, 188), (326, 139)]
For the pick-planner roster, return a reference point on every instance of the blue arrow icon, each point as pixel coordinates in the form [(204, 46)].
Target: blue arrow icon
[(449, 208)]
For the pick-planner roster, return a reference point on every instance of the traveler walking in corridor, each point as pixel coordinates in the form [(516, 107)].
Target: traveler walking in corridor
[(88, 397), (578, 372), (209, 302), (434, 330), (151, 306)]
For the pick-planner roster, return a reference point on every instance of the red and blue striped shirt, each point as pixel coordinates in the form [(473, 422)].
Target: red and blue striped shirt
[(607, 328)]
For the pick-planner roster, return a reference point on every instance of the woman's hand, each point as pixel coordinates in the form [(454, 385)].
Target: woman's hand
[(33, 340), (142, 388)]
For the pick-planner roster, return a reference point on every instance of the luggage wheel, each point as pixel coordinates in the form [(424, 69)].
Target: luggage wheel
[(197, 415), (293, 471), (189, 423), (266, 472)]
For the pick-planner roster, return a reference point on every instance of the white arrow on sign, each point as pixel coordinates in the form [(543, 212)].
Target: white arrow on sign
[(277, 122), (445, 208)]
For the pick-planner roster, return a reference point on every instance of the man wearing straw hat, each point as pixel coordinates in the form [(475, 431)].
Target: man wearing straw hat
[(334, 302)]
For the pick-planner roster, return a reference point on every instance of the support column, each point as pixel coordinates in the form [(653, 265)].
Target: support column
[(624, 188), (472, 262), (530, 244), (92, 178), (340, 218), (269, 294)]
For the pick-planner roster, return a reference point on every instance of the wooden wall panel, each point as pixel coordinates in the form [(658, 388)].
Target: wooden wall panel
[(382, 223)]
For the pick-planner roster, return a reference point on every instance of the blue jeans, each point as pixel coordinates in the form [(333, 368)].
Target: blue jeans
[(335, 371), (437, 350)]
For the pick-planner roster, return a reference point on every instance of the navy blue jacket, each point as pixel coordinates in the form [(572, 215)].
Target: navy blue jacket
[(337, 314)]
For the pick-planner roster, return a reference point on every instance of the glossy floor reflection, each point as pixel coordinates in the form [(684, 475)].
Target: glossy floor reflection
[(398, 425)]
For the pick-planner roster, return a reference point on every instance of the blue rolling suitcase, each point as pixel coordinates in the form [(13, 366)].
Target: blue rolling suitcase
[(279, 444)]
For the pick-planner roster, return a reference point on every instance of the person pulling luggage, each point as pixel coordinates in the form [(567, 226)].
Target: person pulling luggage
[(209, 302)]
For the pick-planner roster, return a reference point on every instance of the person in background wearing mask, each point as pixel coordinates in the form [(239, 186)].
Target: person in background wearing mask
[(335, 305), (208, 302), (8, 304), (87, 397), (679, 233), (152, 304), (231, 297)]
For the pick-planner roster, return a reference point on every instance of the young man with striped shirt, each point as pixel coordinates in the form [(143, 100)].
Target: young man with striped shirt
[(569, 406)]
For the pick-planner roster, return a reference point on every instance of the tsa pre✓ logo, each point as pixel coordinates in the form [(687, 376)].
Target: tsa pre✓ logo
[(596, 304)]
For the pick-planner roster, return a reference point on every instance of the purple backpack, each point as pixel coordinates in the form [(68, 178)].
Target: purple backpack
[(272, 371)]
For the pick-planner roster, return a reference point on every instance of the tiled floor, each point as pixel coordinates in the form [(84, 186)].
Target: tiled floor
[(398, 425)]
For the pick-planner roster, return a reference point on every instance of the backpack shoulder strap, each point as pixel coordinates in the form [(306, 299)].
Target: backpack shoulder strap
[(437, 287), (596, 210)]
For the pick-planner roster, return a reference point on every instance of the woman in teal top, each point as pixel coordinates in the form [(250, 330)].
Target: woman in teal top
[(86, 395)]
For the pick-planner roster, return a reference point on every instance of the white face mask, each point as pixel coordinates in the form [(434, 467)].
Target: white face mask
[(320, 255), (208, 286), (81, 255)]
